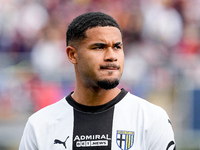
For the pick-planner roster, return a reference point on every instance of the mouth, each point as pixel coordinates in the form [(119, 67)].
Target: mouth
[(110, 67)]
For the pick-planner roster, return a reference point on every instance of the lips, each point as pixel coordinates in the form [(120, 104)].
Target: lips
[(110, 67)]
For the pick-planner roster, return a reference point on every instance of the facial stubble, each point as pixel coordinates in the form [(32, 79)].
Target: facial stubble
[(107, 84)]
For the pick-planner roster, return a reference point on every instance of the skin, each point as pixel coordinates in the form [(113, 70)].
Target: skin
[(101, 47)]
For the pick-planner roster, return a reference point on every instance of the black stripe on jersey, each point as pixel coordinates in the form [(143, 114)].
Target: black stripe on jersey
[(93, 124), (92, 130)]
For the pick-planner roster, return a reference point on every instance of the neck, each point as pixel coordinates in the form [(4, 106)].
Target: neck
[(94, 97)]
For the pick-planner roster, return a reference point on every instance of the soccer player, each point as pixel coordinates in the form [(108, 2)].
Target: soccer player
[(98, 115)]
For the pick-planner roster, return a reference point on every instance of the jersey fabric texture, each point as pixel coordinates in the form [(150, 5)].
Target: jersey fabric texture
[(127, 123)]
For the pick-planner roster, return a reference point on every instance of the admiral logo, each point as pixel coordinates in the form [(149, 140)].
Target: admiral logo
[(91, 140), (125, 139)]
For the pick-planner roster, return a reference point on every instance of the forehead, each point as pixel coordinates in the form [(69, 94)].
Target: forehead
[(104, 34)]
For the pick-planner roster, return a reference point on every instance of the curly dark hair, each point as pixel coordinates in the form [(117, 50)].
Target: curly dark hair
[(76, 30)]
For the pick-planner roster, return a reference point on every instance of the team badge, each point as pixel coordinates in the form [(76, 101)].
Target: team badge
[(125, 139)]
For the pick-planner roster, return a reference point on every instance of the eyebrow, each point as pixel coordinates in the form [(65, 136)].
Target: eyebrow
[(104, 44), (118, 43), (99, 44)]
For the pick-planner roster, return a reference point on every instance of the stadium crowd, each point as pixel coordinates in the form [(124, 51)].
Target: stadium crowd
[(161, 44)]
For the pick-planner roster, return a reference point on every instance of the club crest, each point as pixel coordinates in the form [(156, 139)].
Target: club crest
[(125, 139)]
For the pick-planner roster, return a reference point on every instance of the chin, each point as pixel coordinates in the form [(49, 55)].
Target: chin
[(108, 84)]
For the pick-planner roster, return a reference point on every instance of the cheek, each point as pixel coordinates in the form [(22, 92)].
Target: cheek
[(89, 59), (87, 65), (121, 59)]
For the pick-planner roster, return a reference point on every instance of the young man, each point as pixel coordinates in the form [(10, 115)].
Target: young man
[(98, 115)]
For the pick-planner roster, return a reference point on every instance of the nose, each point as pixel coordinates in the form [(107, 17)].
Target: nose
[(110, 55)]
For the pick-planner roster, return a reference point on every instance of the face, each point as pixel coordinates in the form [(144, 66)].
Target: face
[(100, 57)]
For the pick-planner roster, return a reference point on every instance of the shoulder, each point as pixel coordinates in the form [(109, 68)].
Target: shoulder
[(50, 112), (154, 121), (149, 112), (140, 103)]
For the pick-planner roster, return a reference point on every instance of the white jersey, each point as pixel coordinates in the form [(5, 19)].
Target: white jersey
[(125, 123)]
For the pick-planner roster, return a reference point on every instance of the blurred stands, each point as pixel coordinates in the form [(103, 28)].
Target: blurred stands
[(162, 64)]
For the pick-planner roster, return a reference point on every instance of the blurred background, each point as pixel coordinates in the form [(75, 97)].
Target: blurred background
[(162, 65)]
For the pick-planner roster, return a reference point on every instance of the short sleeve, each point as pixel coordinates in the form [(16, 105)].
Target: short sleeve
[(28, 140), (159, 134)]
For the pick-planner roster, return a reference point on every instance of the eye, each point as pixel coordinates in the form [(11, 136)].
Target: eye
[(117, 47), (98, 47)]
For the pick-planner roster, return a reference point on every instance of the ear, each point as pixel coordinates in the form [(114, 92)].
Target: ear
[(72, 54)]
